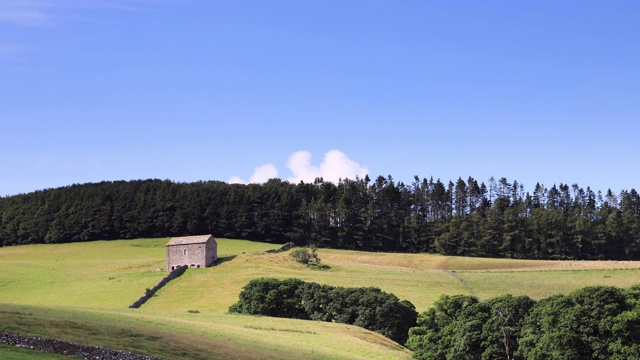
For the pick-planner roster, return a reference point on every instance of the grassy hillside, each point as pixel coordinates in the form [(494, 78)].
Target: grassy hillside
[(80, 292), (181, 335), (15, 353), (100, 274)]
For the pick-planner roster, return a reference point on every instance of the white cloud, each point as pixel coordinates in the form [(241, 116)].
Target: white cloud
[(261, 174), (236, 180), (300, 165), (335, 166)]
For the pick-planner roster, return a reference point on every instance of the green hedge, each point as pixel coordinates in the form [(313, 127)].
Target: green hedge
[(369, 308)]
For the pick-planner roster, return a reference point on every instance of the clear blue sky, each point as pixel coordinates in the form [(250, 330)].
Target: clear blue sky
[(187, 90)]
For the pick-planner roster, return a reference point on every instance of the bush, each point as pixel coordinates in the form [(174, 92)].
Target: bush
[(370, 308), (270, 297), (307, 255)]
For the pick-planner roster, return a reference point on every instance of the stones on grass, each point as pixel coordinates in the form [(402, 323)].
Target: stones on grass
[(282, 248), (70, 349)]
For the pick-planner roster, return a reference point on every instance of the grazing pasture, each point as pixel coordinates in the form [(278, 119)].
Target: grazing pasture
[(182, 335), (15, 353), (80, 292)]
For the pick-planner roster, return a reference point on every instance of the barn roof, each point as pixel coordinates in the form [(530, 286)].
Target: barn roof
[(185, 240)]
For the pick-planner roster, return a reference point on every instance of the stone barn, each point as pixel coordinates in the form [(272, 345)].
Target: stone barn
[(194, 251)]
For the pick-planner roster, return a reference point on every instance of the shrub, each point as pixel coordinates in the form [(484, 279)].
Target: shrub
[(307, 255), (270, 297), (370, 308)]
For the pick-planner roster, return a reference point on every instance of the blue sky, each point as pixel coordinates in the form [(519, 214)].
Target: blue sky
[(188, 90)]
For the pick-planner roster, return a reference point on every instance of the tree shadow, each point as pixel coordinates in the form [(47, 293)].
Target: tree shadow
[(321, 267), (224, 259)]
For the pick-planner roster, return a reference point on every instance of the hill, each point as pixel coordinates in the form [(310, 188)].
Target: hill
[(465, 219), (84, 288)]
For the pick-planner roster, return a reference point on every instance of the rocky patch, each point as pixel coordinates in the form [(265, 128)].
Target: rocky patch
[(69, 349)]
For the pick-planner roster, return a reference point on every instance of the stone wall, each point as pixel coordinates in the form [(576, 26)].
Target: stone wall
[(188, 254), (284, 247), (150, 292), (54, 346)]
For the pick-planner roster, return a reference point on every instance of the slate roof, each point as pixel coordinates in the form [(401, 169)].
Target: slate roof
[(185, 240)]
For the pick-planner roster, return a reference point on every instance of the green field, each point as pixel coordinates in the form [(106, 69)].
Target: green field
[(15, 353), (80, 292)]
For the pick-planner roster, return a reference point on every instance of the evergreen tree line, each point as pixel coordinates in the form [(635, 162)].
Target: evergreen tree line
[(497, 219), (598, 322), (369, 308)]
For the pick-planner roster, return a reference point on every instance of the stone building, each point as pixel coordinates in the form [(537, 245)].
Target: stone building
[(194, 251)]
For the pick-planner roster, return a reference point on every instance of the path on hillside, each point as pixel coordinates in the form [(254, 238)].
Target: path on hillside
[(453, 273)]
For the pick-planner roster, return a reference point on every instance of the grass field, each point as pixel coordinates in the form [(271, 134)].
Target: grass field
[(15, 353), (181, 335), (80, 292)]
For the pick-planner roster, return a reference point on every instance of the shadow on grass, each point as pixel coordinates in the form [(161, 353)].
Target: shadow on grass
[(318, 267), (224, 259)]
